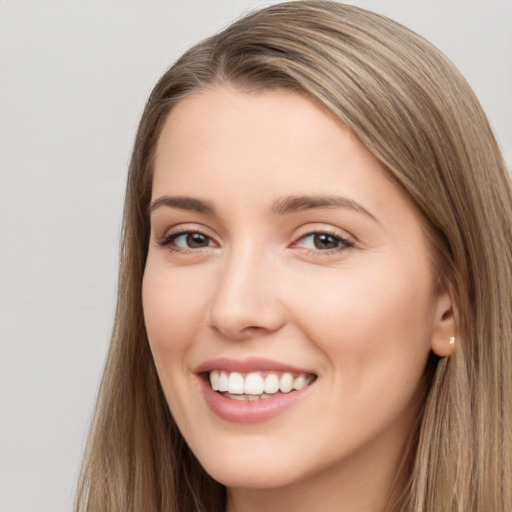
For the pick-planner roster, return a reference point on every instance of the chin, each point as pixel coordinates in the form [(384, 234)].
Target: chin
[(262, 478), (251, 471)]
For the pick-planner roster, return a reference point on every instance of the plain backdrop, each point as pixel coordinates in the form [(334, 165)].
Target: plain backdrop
[(74, 77)]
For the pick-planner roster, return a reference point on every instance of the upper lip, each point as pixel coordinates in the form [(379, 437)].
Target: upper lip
[(252, 364)]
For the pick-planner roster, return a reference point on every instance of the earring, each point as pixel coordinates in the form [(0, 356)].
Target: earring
[(452, 341)]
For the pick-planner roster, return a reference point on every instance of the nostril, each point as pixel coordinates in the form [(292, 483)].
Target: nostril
[(240, 309), (244, 333), (252, 328), (240, 325)]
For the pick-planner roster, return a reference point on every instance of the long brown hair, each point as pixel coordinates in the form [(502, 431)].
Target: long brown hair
[(416, 114)]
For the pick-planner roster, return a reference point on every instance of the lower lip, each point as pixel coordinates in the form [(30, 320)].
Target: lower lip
[(245, 411)]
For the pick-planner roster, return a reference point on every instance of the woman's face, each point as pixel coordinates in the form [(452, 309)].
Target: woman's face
[(282, 256)]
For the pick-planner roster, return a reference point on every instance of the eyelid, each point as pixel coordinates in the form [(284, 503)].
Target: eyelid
[(346, 240), (184, 229)]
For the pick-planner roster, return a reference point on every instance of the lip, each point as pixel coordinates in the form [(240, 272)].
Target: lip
[(252, 364), (244, 411)]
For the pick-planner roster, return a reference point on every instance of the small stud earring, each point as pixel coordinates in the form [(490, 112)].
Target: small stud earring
[(452, 341)]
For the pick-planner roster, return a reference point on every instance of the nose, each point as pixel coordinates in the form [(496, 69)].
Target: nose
[(245, 302)]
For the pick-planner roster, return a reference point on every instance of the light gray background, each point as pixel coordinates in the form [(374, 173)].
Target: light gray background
[(74, 77)]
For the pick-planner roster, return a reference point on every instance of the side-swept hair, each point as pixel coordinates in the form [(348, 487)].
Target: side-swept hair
[(416, 114)]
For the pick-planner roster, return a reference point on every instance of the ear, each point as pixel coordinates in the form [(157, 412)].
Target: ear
[(443, 334)]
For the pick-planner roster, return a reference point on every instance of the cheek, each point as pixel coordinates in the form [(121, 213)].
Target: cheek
[(172, 313), (379, 319), (375, 337), (173, 309)]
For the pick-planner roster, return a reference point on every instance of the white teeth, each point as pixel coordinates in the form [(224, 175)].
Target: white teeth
[(214, 380), (286, 382), (300, 382), (223, 382), (249, 398), (271, 383), (236, 383), (238, 397), (253, 385)]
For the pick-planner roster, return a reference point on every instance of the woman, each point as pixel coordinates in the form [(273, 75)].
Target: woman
[(314, 303)]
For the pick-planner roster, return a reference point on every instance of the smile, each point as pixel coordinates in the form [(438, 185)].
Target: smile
[(257, 385), (254, 389)]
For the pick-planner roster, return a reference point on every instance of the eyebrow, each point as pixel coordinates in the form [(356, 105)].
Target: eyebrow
[(300, 203), (282, 206), (183, 203)]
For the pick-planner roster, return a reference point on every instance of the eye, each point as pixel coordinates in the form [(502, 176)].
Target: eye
[(187, 240), (324, 242)]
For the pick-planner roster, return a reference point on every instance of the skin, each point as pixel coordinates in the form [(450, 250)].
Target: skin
[(362, 314)]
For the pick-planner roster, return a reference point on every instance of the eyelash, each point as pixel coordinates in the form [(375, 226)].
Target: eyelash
[(344, 244), (168, 240)]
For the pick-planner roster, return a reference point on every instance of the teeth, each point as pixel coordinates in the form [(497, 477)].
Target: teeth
[(249, 398), (254, 385), (300, 382), (286, 382), (236, 383), (271, 383), (214, 380), (223, 382)]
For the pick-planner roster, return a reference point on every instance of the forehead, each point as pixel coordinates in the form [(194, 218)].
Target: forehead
[(224, 133)]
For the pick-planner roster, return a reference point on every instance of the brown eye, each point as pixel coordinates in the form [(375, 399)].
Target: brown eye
[(196, 240), (187, 240), (323, 241)]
